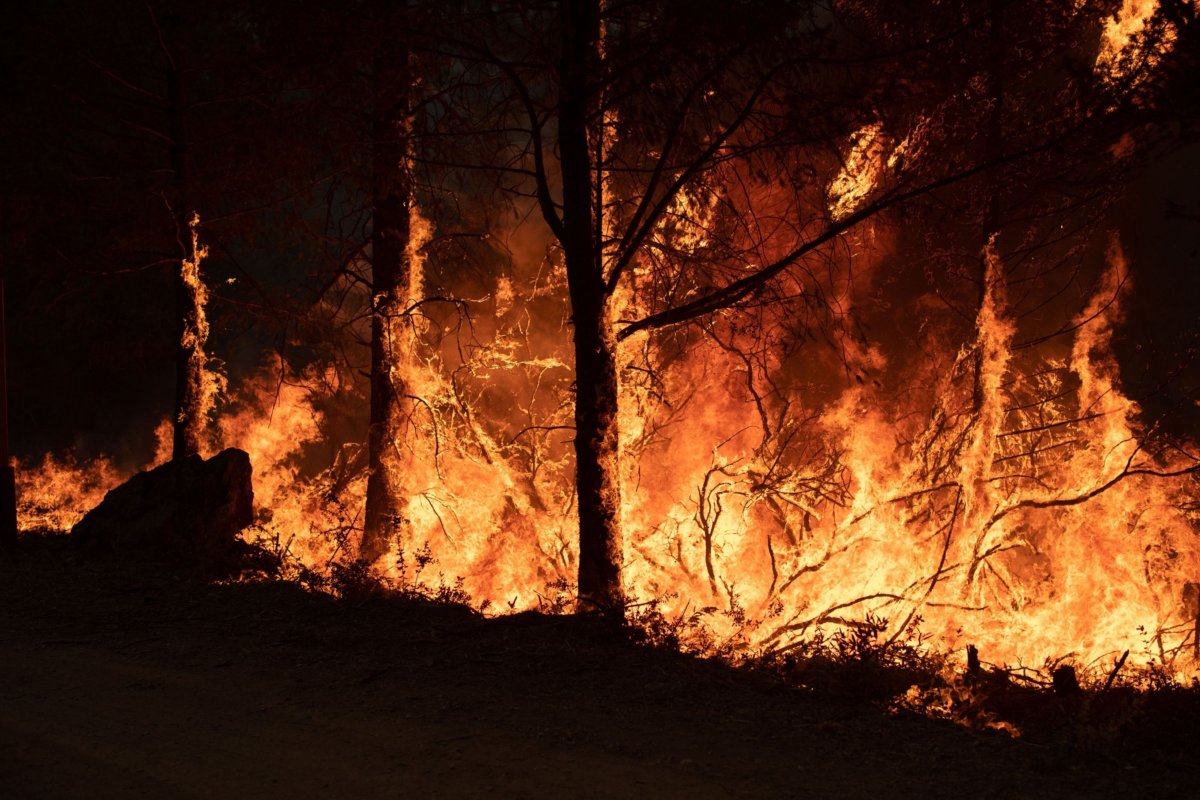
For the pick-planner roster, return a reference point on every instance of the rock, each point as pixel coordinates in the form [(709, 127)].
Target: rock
[(187, 513)]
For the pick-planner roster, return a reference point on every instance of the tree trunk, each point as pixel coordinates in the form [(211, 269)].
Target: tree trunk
[(993, 146), (392, 284), (597, 445), (187, 421)]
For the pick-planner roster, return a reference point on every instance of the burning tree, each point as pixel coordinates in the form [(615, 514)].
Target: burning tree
[(643, 139), (397, 233), (840, 294), (682, 189), (627, 123), (195, 384)]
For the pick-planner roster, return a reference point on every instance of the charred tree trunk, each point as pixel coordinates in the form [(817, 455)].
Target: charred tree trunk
[(994, 136), (993, 148), (188, 421), (596, 389), (392, 284)]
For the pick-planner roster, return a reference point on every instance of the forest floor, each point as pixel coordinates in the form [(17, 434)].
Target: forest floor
[(123, 681)]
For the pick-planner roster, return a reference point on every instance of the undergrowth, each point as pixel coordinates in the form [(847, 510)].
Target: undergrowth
[(410, 577), (1097, 708)]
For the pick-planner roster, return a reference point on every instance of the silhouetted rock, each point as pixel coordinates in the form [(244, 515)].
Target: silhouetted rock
[(187, 513)]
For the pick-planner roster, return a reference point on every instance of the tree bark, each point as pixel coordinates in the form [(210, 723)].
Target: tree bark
[(187, 422), (993, 146), (597, 444), (392, 283)]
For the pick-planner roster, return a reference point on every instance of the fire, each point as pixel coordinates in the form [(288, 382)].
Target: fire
[(1129, 44), (1006, 497), (1121, 29), (860, 171), (1024, 512), (55, 494), (304, 517), (205, 380), (1024, 515)]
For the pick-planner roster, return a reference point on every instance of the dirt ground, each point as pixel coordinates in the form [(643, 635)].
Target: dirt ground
[(126, 682)]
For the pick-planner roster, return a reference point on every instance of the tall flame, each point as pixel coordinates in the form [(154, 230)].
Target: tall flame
[(206, 381)]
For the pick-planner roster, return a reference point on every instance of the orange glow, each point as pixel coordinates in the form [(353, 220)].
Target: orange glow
[(55, 494), (1124, 25), (1126, 48), (1032, 522), (1006, 497), (205, 378), (860, 171)]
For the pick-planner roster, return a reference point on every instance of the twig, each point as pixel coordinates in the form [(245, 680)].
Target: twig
[(1116, 668)]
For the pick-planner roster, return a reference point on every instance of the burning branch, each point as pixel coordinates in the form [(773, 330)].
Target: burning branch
[(202, 380)]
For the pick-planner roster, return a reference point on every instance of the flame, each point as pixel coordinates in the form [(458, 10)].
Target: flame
[(1123, 26), (1008, 498), (861, 170), (206, 380), (55, 494), (1128, 45), (1024, 512)]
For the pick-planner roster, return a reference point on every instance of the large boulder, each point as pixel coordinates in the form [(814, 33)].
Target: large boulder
[(187, 513)]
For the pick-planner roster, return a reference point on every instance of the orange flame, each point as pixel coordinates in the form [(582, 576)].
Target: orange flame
[(205, 377), (1026, 515), (1127, 47)]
